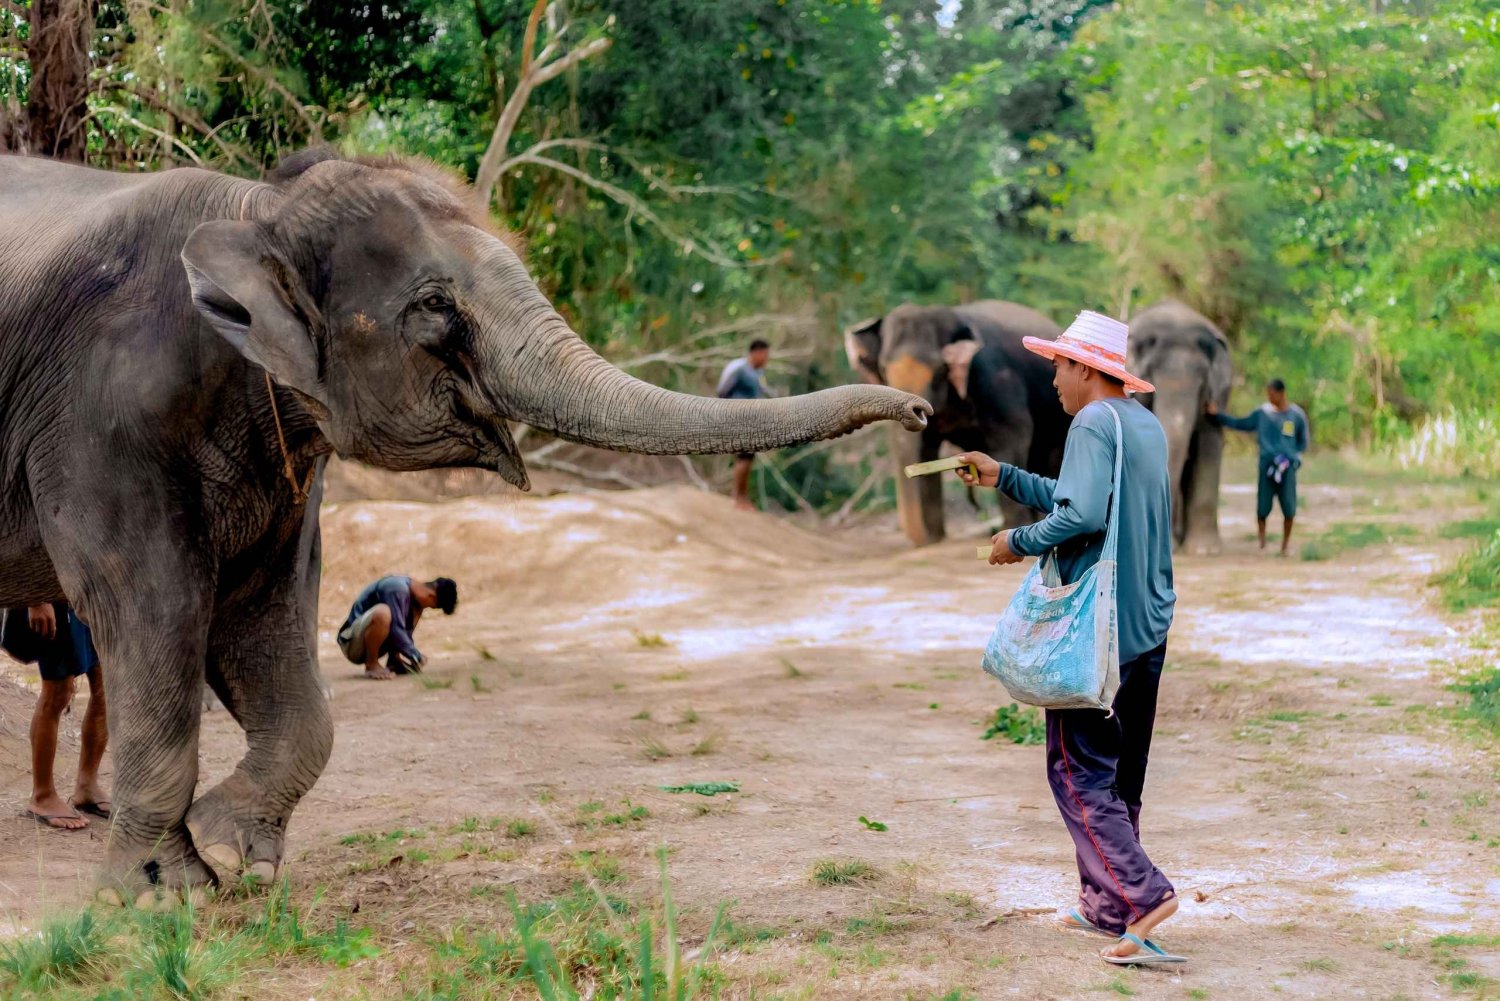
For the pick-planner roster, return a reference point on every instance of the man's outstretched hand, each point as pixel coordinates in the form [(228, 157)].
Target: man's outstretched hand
[(989, 470), (1002, 555)]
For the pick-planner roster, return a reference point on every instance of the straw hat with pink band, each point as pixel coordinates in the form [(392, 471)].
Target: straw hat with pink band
[(1097, 341)]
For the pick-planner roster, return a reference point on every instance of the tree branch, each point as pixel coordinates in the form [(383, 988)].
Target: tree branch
[(126, 116), (703, 248), (491, 164), (528, 45), (188, 118)]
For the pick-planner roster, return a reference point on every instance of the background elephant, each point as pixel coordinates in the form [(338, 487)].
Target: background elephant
[(1186, 358), (179, 354), (987, 393)]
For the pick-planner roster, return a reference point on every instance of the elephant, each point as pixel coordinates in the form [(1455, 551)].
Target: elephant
[(180, 352), (1187, 359), (988, 394)]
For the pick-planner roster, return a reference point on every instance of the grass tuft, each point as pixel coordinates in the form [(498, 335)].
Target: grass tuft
[(1017, 725), (844, 872)]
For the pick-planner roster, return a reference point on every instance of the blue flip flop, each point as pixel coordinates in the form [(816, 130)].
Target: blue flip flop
[(1075, 921), (1148, 954)]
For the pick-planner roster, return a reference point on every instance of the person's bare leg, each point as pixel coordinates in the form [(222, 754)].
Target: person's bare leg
[(378, 631), (1142, 929), (1286, 534), (87, 791), (1260, 524), (45, 802), (742, 484)]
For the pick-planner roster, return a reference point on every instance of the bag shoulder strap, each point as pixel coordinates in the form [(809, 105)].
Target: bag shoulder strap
[(1112, 534)]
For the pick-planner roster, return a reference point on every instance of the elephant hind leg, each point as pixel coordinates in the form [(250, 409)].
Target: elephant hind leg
[(264, 670)]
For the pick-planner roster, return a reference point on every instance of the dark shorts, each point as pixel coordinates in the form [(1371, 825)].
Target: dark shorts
[(1283, 493), (70, 655)]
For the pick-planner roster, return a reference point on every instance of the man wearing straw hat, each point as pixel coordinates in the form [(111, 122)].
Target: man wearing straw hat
[(1096, 762)]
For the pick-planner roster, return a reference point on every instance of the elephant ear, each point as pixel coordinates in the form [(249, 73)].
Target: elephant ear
[(256, 302), (862, 344), (958, 356), (1220, 369)]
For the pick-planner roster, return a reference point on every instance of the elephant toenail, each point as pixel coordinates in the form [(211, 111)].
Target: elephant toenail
[(222, 857), (263, 872)]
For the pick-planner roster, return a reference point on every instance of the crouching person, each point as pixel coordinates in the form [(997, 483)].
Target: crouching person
[(383, 618)]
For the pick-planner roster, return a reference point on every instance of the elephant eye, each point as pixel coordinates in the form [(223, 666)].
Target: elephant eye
[(435, 301)]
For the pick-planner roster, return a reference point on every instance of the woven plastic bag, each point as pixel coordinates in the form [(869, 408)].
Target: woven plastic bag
[(1058, 646)]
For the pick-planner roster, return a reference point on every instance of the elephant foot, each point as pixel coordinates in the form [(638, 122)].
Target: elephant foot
[(156, 878), (236, 830)]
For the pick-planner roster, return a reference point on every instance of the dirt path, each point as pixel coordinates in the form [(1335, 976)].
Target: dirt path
[(1321, 818)]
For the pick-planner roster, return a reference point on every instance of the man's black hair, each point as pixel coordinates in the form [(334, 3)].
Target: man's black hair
[(1276, 386), (760, 345), (447, 594)]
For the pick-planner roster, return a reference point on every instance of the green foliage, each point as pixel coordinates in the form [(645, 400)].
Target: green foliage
[(1344, 536), (704, 788), (873, 825), (1017, 725), (1475, 581)]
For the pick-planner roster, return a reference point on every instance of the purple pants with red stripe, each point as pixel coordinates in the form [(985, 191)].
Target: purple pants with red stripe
[(1096, 765)]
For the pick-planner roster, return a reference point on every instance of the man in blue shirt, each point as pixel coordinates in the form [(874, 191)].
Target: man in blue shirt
[(1281, 432), (1096, 761), (744, 379), (384, 616)]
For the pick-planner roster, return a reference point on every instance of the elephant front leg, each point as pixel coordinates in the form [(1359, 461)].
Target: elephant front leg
[(154, 672), (262, 664), (1200, 501)]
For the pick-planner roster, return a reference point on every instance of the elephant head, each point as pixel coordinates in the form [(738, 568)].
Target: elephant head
[(376, 292), (926, 351), (1187, 359)]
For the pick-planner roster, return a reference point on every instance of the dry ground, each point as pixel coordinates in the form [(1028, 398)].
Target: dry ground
[(1321, 815)]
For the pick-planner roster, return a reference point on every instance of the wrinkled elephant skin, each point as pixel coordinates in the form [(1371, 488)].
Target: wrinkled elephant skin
[(179, 354)]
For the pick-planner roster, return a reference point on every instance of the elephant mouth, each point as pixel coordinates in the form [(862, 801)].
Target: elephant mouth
[(496, 448)]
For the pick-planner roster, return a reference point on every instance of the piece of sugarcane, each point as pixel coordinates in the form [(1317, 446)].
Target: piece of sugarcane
[(939, 466)]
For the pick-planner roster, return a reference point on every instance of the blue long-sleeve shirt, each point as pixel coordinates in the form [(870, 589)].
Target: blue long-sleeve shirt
[(1078, 505), (1277, 432), (395, 592)]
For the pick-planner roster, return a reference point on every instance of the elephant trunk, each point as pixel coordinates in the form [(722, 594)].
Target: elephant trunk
[(535, 369), (1179, 409)]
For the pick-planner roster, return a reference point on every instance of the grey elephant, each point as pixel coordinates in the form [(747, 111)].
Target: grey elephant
[(1187, 359), (179, 355), (988, 394)]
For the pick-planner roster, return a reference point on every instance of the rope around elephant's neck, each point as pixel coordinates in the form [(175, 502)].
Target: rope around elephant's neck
[(299, 490)]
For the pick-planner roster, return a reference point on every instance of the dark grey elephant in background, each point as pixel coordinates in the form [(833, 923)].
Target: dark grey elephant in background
[(180, 353), (988, 394), (1187, 359)]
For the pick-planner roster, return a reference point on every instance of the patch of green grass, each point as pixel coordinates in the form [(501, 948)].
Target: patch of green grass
[(1017, 725), (792, 670), (64, 952), (483, 651), (477, 683), (1115, 986), (1320, 965), (632, 815), (1345, 536), (1478, 528), (650, 641), (1198, 993), (1475, 581), (519, 828), (1288, 716), (873, 825), (434, 684), (688, 716), (654, 750), (1382, 701), (704, 788), (844, 872), (915, 686)]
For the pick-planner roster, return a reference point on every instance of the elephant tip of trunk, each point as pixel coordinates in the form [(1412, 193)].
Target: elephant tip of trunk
[(915, 413)]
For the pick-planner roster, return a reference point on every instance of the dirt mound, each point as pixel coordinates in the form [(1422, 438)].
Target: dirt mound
[(513, 553)]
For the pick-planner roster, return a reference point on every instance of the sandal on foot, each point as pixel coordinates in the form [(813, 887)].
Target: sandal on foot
[(1075, 921), (46, 820), (1147, 953), (100, 810)]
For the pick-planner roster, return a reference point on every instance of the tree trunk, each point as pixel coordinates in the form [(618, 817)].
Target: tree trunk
[(57, 103)]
